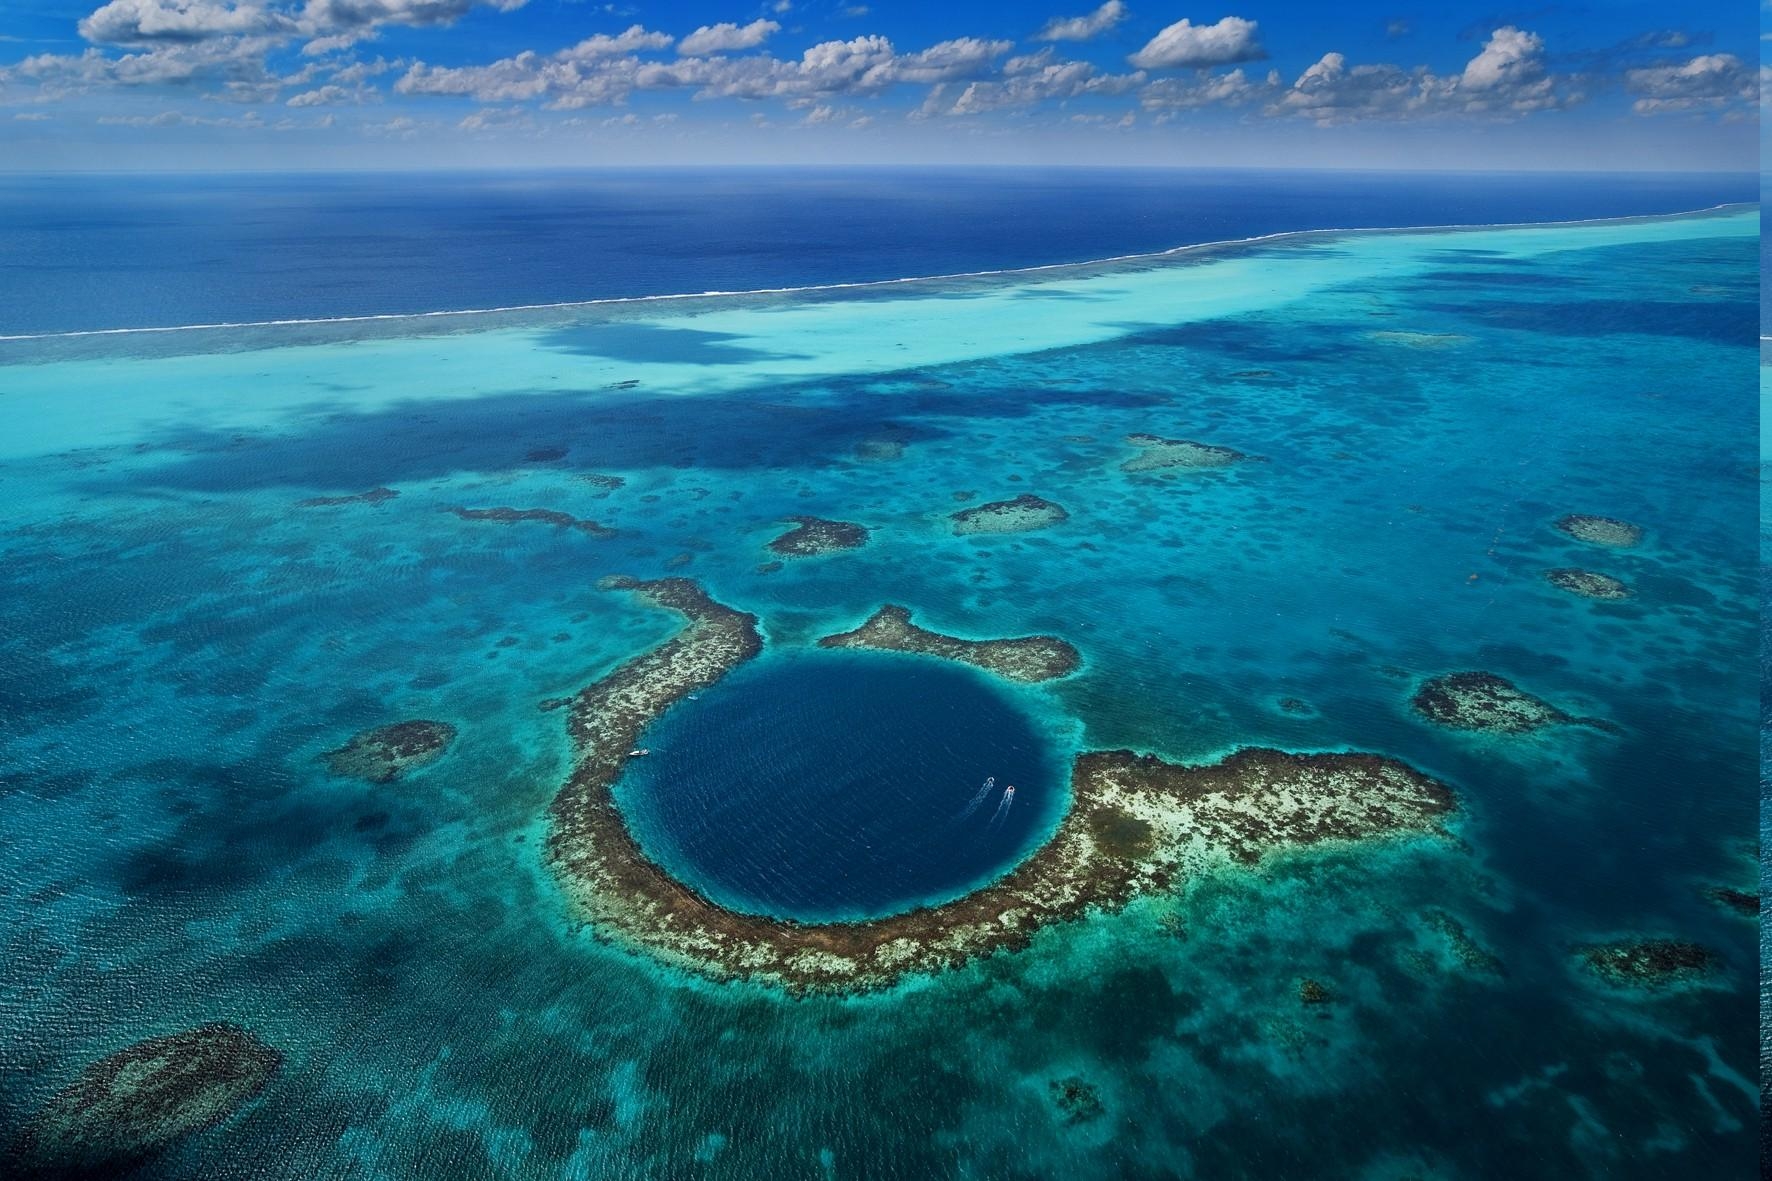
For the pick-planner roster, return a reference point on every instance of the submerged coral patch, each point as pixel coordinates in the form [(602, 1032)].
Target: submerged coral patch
[(1021, 658), (128, 1106), (811, 536), (1650, 963), (1156, 453), (1606, 531), (546, 516), (385, 753), (1588, 583), (1020, 515), (1484, 701), (1136, 823), (373, 496)]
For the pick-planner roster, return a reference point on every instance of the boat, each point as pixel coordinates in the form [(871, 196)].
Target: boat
[(639, 752)]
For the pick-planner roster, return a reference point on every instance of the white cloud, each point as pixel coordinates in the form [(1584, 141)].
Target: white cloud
[(1172, 95), (1184, 45), (725, 37), (337, 24), (147, 22), (31, 117), (1083, 28), (333, 95), (1509, 74), (1032, 80), (1507, 78), (1708, 82)]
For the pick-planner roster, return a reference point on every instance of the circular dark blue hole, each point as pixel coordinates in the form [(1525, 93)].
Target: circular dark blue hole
[(826, 786)]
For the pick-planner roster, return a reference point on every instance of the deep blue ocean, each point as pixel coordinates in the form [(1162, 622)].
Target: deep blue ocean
[(225, 553), (135, 251)]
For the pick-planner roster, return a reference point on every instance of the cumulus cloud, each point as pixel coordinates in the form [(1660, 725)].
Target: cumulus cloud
[(1708, 82), (1169, 96), (1185, 45), (1083, 28), (1509, 74), (723, 38), (1029, 81), (149, 22), (1507, 78)]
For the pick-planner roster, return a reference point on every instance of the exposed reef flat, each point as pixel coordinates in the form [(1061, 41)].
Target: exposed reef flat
[(547, 516), (1023, 513), (385, 753), (373, 496), (1588, 583), (128, 1106), (1022, 658), (1649, 963), (811, 536), (1136, 823), (1484, 701), (1156, 454), (1606, 531)]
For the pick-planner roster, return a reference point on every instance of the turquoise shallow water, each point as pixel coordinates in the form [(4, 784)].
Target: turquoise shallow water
[(183, 639)]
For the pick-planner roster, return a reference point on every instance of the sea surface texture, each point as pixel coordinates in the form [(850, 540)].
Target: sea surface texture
[(226, 552)]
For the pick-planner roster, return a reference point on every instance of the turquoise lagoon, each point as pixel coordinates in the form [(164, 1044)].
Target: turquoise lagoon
[(183, 639)]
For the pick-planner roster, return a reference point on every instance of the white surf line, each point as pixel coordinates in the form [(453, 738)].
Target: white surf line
[(810, 288)]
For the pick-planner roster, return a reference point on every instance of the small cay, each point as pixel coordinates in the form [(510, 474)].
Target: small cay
[(1024, 513), (811, 536), (1022, 658)]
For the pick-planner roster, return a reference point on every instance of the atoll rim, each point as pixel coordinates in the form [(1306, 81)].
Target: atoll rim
[(1135, 824)]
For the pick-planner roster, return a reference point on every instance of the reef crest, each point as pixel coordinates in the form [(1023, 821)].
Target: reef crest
[(1021, 658)]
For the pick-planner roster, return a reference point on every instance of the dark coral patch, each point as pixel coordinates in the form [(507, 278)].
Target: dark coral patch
[(1157, 454), (1077, 1099), (1313, 992), (1739, 901), (546, 516), (385, 753), (1019, 515), (1021, 658), (373, 496), (1650, 963), (1606, 531), (1589, 584), (815, 535), (128, 1106), (1484, 701)]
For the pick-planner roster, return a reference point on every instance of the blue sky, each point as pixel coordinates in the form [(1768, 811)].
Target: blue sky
[(418, 83)]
